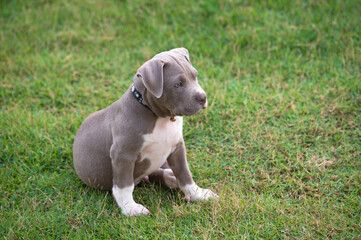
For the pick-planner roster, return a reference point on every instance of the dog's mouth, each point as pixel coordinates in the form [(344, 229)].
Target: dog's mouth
[(191, 110)]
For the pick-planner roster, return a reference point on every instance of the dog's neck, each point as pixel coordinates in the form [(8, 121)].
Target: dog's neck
[(139, 97), (137, 82), (150, 101)]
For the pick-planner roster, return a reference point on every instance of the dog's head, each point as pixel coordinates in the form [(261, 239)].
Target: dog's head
[(171, 83)]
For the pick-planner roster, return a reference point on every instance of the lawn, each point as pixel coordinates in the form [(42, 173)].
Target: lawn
[(280, 141)]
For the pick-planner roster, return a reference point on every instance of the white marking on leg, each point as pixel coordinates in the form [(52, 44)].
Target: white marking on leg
[(195, 193), (124, 199)]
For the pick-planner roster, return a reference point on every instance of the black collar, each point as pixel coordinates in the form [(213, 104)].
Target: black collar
[(138, 96)]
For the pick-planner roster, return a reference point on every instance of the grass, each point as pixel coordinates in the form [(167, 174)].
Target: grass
[(280, 140)]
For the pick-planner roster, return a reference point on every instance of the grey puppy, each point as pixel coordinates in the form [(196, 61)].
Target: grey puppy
[(140, 135)]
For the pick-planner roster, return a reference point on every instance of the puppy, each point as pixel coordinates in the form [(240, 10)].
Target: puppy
[(140, 135)]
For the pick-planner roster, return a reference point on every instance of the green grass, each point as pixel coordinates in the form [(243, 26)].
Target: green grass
[(280, 141)]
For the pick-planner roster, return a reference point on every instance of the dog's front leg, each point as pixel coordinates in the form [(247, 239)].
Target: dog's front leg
[(123, 182), (178, 163)]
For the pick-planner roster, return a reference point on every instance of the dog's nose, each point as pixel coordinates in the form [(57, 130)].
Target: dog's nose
[(201, 97)]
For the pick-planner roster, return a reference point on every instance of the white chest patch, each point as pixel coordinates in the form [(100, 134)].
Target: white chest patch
[(159, 144)]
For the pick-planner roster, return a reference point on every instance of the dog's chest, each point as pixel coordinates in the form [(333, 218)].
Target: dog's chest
[(159, 144)]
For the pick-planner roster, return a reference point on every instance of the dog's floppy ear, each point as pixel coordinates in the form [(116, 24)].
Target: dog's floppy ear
[(151, 74)]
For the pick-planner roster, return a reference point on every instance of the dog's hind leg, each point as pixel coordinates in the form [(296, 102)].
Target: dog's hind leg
[(163, 176)]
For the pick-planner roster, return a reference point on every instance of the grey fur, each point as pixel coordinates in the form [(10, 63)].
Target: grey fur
[(108, 143)]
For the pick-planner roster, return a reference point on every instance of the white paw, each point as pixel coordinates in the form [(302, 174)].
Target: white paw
[(124, 199), (194, 193), (134, 209), (169, 178)]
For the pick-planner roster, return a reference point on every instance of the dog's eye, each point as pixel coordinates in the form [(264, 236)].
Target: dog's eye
[(177, 85)]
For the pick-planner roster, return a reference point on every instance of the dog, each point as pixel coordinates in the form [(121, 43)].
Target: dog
[(139, 137)]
